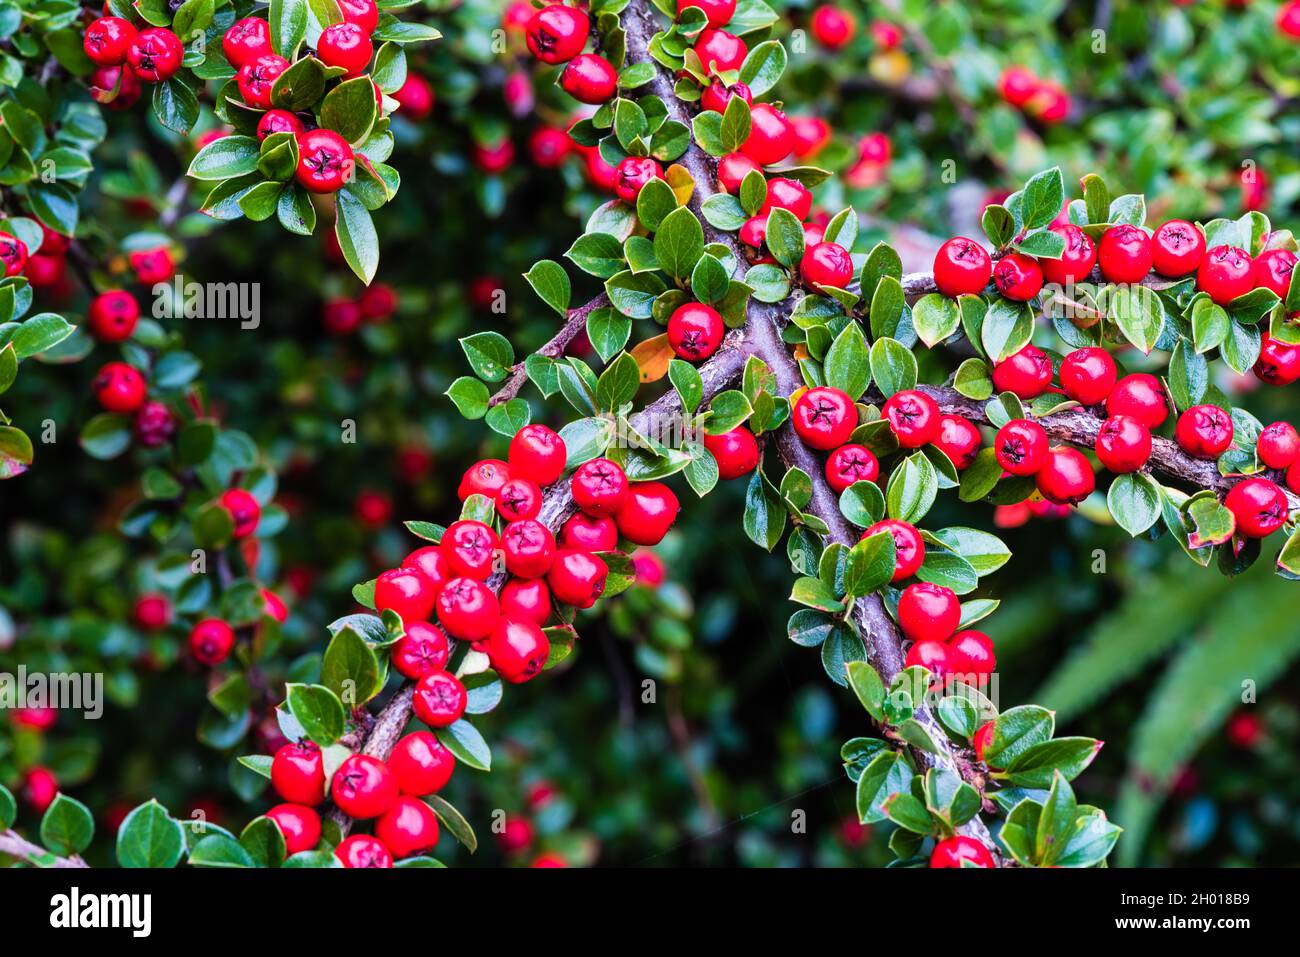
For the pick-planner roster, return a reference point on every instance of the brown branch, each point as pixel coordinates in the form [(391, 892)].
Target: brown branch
[(14, 845), (574, 323)]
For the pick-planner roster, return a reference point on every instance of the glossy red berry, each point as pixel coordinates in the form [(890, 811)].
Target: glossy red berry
[(715, 97), (632, 173), (849, 464), (1123, 444), (299, 824), (432, 563), (407, 591), (1204, 431), (1225, 273), (155, 54), (13, 254), (1027, 373), (362, 850), (958, 439), (1278, 445), (647, 514), (1021, 447), (152, 265), (718, 12), (771, 136), (40, 788), (1141, 396), (211, 641), (363, 787), (409, 828), (467, 609), (420, 764), (528, 547), (1018, 277), (833, 27), (599, 487), (115, 86), (439, 699), (811, 135), (826, 264), (325, 161), (1066, 477), (557, 33), (298, 773), (732, 170), (119, 387), (518, 499), (113, 315), (577, 578), (928, 612), (1272, 270), (825, 418), (278, 121), (695, 331), (364, 13), (152, 612), (1017, 85), (1077, 259), (589, 78), (952, 851), (736, 452), (470, 548), (246, 40), (517, 649), (1259, 506), (256, 78), (1088, 375), (537, 453), (754, 232), (589, 533), (909, 548), (931, 655), (914, 418), (783, 193), (1177, 248), (962, 266), (107, 40), (971, 653), (528, 599), (421, 651), (154, 425), (1124, 254), (345, 45), (982, 739), (1278, 362), (415, 97), (483, 478), (719, 50), (1293, 476)]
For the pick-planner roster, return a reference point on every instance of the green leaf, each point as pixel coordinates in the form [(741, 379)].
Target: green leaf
[(618, 383), (470, 397), (935, 318), (598, 254), (105, 436), (893, 367), (318, 710), (1042, 199), (16, 452), (679, 243), (809, 628), (175, 105), (67, 826), (220, 850), (848, 363), (765, 512), (350, 669), (686, 380), (453, 821), (39, 334), (870, 565), (785, 239), (226, 158), (887, 775), (863, 504), (350, 109), (357, 237), (866, 684), (763, 67), (1134, 501), (912, 489), (464, 741), (264, 842), (973, 380), (1006, 329), (490, 355), (1138, 312)]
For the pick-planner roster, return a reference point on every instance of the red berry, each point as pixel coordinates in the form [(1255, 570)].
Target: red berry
[(1278, 445), (811, 134), (1288, 19), (958, 439), (1225, 273), (298, 773), (107, 40), (1272, 270), (469, 548), (421, 651), (632, 173), (246, 40), (325, 161), (1293, 476), (549, 147), (113, 315), (962, 267), (493, 158), (432, 563), (557, 33), (299, 824), (1177, 248), (771, 137), (1021, 447), (115, 86), (1259, 506), (825, 418), (467, 609), (363, 787), (155, 54), (1066, 478), (577, 578), (589, 79), (1278, 362), (517, 649), (362, 850), (887, 36), (1124, 254), (1017, 85), (1027, 373), (718, 12), (909, 548), (1204, 431), (527, 599), (849, 464), (826, 264), (833, 27), (278, 121), (736, 452), (1050, 103), (364, 13), (152, 265), (409, 828), (518, 499), (928, 612), (695, 331), (407, 591), (1076, 261), (1088, 375), (153, 612), (754, 232), (516, 836), (1123, 444), (346, 45), (415, 97), (439, 699), (982, 739), (732, 170), (971, 653), (529, 548), (931, 655), (715, 97), (40, 788), (952, 851), (537, 453), (650, 510), (1018, 277), (340, 316), (720, 51), (483, 478), (13, 254), (378, 301), (1141, 396), (914, 418), (783, 193), (211, 641), (420, 764), (256, 78), (119, 387), (599, 487), (154, 425), (589, 533)]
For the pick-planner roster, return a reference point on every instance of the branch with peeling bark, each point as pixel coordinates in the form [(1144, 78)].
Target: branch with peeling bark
[(15, 845)]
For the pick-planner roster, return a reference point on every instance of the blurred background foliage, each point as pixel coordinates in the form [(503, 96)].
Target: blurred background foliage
[(735, 761)]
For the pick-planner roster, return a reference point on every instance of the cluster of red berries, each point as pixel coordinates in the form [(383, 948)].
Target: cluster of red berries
[(44, 266), (342, 315), (152, 55), (929, 616), (556, 34), (121, 389), (1046, 100)]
